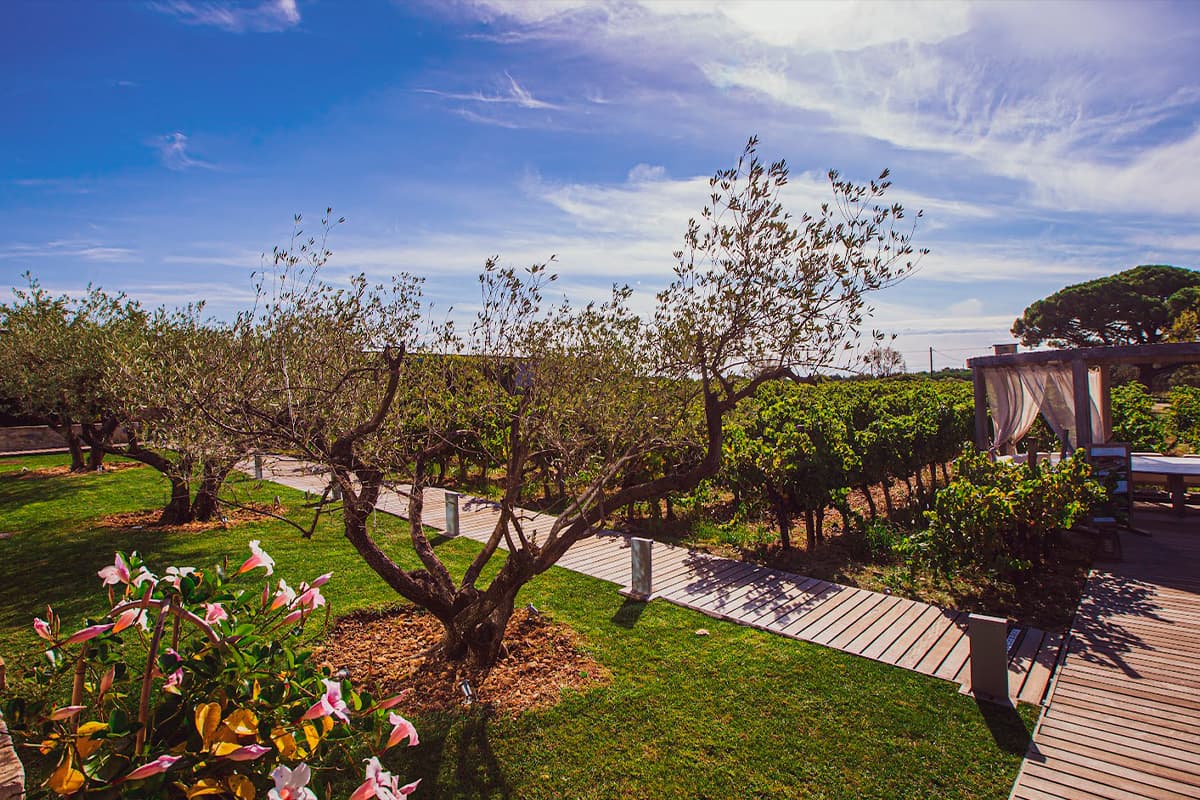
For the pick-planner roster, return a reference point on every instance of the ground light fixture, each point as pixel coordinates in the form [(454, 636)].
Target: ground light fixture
[(468, 692)]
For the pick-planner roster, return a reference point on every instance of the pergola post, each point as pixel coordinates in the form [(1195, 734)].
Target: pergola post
[(1105, 401), (1083, 403), (982, 439)]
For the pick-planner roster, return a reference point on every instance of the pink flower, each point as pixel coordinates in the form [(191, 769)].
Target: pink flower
[(66, 712), (392, 702), (257, 559), (173, 682), (175, 575), (284, 597), (294, 616), (214, 613), (117, 573), (90, 632), (43, 629), (321, 580), (381, 784), (291, 784), (248, 752), (128, 617), (155, 767), (143, 576), (401, 729), (329, 704), (311, 599)]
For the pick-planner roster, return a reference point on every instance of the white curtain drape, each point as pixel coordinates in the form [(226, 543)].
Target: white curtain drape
[(1017, 394), (1014, 398)]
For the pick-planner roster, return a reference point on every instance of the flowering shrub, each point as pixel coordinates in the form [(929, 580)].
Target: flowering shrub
[(193, 687)]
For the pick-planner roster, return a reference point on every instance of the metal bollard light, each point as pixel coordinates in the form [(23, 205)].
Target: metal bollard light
[(258, 472), (641, 584), (451, 513), (989, 658)]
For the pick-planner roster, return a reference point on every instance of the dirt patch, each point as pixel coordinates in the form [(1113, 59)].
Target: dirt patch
[(148, 518), (388, 651), (60, 471)]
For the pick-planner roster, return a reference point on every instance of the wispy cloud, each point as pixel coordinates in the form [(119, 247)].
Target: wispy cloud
[(54, 185), (87, 250), (173, 150), (513, 93), (268, 16)]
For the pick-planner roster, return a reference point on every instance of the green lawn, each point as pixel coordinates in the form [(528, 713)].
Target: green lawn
[(739, 713)]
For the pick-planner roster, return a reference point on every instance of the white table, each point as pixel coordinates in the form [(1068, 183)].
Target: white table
[(1178, 472)]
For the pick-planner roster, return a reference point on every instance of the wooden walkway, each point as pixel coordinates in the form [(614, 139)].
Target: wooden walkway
[(894, 630), (1123, 717)]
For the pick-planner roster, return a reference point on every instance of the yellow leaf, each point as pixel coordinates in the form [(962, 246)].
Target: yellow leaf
[(224, 748), (66, 780), (48, 745), (208, 717), (242, 722), (241, 787), (205, 786), (327, 724), (285, 742), (257, 689), (84, 743), (311, 735)]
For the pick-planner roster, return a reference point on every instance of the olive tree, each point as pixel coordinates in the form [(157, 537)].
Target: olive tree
[(166, 375), (54, 362), (626, 409)]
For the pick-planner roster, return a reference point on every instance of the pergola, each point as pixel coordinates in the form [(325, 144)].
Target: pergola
[(1070, 388)]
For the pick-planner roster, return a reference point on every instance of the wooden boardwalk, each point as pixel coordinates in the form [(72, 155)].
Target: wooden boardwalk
[(894, 630), (1123, 717)]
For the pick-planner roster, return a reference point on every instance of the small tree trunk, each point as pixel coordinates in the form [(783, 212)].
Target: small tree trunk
[(784, 521), (820, 514), (912, 493), (476, 633), (887, 498), (670, 509), (946, 473), (920, 485), (933, 477), (844, 511), (810, 530), (866, 490), (205, 506), (178, 509), (66, 430)]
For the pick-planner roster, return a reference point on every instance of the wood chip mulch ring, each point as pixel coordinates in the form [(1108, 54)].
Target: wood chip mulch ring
[(148, 519), (398, 648), (65, 470)]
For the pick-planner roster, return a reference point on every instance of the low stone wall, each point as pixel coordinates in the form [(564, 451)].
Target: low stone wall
[(36, 439)]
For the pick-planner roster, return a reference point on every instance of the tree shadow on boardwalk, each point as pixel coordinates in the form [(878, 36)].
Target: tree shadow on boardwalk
[(1096, 635)]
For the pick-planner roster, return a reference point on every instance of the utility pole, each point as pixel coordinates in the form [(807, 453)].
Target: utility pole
[(931, 362)]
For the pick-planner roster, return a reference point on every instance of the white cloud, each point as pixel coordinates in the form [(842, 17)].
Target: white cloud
[(971, 307), (812, 25), (512, 93), (87, 250), (267, 16), (173, 150)]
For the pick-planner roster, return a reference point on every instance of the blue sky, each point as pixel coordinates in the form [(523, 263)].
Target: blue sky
[(159, 148)]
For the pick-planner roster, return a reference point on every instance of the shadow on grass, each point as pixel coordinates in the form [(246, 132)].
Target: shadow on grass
[(462, 743), (1007, 727), (629, 613)]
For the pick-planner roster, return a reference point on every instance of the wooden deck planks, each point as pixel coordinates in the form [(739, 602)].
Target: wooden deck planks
[(1123, 716)]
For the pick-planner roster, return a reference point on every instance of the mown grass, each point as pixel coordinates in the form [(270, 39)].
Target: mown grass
[(736, 713)]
